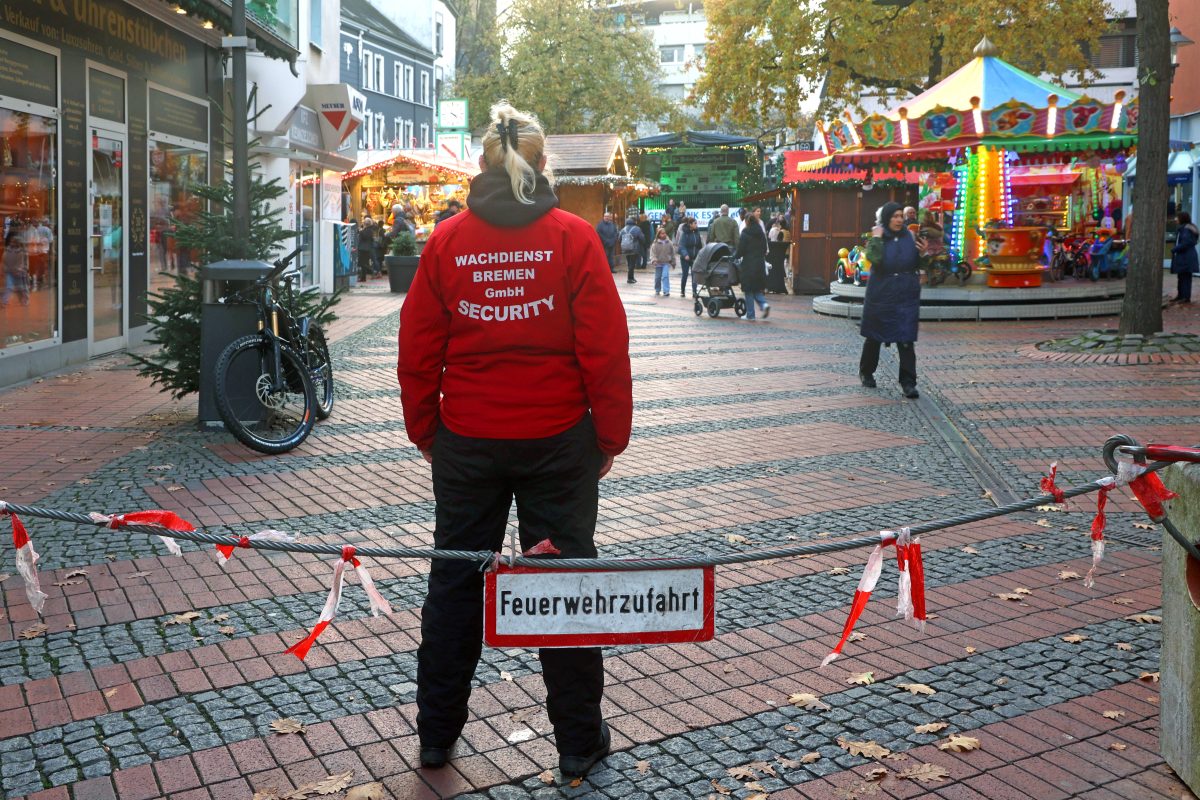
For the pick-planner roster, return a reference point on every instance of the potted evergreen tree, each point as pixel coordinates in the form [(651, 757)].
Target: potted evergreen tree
[(401, 261)]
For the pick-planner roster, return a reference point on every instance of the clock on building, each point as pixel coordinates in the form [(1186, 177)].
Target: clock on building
[(452, 113)]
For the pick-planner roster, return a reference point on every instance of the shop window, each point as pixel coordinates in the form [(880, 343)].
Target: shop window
[(29, 213), (175, 171)]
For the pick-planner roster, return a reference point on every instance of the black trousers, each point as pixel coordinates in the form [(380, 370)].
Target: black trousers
[(1183, 285), (632, 261), (869, 360), (555, 481)]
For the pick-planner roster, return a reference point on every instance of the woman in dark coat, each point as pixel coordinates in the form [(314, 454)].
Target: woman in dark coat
[(892, 306), (752, 250), (1184, 261)]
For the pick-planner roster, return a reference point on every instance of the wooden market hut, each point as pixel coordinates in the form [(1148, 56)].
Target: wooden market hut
[(592, 175)]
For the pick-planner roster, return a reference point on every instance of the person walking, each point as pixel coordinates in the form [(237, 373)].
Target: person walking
[(606, 229), (529, 397), (752, 250), (892, 305), (647, 236), (688, 244), (662, 257), (632, 239), (367, 234), (724, 228), (1184, 261)]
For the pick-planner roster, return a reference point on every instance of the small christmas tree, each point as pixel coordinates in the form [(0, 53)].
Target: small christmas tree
[(174, 314)]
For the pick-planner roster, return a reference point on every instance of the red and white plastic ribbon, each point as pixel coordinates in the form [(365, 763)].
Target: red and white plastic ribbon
[(225, 551), (910, 594), (27, 559), (1107, 484), (379, 604), (1147, 487), (543, 548), (1048, 485), (866, 585), (156, 519)]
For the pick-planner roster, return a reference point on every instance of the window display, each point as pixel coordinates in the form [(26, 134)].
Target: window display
[(174, 170), (29, 212)]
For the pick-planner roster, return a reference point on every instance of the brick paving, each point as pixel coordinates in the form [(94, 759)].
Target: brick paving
[(746, 435)]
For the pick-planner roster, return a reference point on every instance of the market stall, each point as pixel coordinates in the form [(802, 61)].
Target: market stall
[(420, 180), (591, 175), (995, 156)]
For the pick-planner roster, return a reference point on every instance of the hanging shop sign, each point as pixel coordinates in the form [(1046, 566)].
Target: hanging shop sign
[(532, 607), (28, 74), (340, 110)]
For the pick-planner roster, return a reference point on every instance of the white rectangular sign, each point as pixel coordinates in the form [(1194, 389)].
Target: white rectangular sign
[(529, 607)]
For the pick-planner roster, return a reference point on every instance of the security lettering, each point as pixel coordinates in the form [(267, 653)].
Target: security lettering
[(505, 313)]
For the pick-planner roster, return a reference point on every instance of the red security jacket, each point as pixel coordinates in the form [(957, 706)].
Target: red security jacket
[(513, 328)]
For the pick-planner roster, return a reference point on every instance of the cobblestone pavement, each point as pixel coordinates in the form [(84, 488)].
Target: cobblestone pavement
[(747, 435)]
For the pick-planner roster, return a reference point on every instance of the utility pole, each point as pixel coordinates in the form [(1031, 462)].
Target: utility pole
[(237, 43)]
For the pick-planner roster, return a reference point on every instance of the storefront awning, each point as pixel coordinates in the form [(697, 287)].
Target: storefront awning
[(428, 165), (1064, 178), (1179, 166)]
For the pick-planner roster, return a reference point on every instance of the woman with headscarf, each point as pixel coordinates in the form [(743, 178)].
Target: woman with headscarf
[(515, 380), (892, 306), (752, 250)]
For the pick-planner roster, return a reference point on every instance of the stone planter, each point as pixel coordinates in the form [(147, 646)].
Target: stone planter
[(1180, 681), (401, 270)]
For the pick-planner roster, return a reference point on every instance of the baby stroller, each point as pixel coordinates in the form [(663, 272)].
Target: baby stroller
[(713, 277)]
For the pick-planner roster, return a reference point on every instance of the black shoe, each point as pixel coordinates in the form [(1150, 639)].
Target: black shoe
[(578, 766), (867, 381), (434, 757), (910, 392), (766, 311), (631, 280)]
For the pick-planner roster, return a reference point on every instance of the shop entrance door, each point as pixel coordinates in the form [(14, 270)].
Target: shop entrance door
[(108, 321)]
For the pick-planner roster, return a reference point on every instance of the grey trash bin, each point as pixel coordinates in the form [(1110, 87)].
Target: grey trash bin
[(221, 323)]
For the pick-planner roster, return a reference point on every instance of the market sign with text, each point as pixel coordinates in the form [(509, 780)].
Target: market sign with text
[(531, 607)]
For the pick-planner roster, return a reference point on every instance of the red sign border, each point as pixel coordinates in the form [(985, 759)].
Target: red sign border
[(492, 639)]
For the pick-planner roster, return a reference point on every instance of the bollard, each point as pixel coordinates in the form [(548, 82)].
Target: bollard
[(1180, 677)]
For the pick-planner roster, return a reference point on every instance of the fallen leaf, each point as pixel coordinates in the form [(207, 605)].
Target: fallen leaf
[(806, 700), (1148, 619), (109, 692), (220, 618), (1023, 590), (896, 757), (755, 786), (228, 630), (5, 576), (810, 758), (521, 714), (790, 728), (1001, 681), (970, 550), (721, 789), (736, 538), (856, 637), (643, 767), (1123, 601), (959, 743), (1144, 526), (330, 784), (33, 631), (76, 573), (861, 679), (1043, 523), (1010, 596), (917, 688), (520, 735), (1113, 714), (839, 571), (1074, 638), (866, 749), (575, 784), (183, 619), (727, 669), (139, 574), (161, 467), (75, 582), (266, 794), (1126, 646), (506, 676), (1070, 527), (367, 791), (1050, 508), (742, 773), (925, 773), (759, 796), (1152, 698), (788, 763), (1152, 677), (763, 767), (1116, 746), (970, 650), (877, 774), (931, 727), (546, 777), (1029, 546), (175, 488), (1067, 575), (287, 725)]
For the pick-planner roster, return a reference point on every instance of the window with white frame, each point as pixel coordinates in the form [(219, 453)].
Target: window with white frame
[(408, 83), (367, 64), (408, 139), (315, 23), (425, 88), (398, 129), (379, 79), (671, 55), (438, 27), (380, 132), (397, 77), (426, 142)]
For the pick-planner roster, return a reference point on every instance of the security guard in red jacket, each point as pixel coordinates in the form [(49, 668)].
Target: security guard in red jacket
[(515, 381)]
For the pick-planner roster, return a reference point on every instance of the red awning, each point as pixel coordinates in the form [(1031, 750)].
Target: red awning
[(1046, 179)]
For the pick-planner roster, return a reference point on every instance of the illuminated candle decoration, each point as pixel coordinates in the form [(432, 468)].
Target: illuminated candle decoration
[(904, 126), (1051, 114)]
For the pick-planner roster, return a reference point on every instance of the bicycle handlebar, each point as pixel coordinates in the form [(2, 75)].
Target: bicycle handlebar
[(280, 266)]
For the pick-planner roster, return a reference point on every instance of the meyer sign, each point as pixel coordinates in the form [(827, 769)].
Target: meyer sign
[(528, 607)]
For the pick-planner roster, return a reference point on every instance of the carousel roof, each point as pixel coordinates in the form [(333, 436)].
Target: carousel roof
[(993, 80)]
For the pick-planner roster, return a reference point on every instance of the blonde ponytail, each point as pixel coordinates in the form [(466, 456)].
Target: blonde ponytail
[(519, 161)]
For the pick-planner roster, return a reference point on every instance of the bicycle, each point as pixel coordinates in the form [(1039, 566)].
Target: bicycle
[(272, 386), (941, 266)]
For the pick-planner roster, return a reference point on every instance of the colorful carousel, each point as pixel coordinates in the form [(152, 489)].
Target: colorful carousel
[(1018, 188)]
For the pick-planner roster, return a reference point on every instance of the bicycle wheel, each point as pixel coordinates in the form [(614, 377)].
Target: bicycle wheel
[(262, 414), (1056, 268), (320, 369)]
